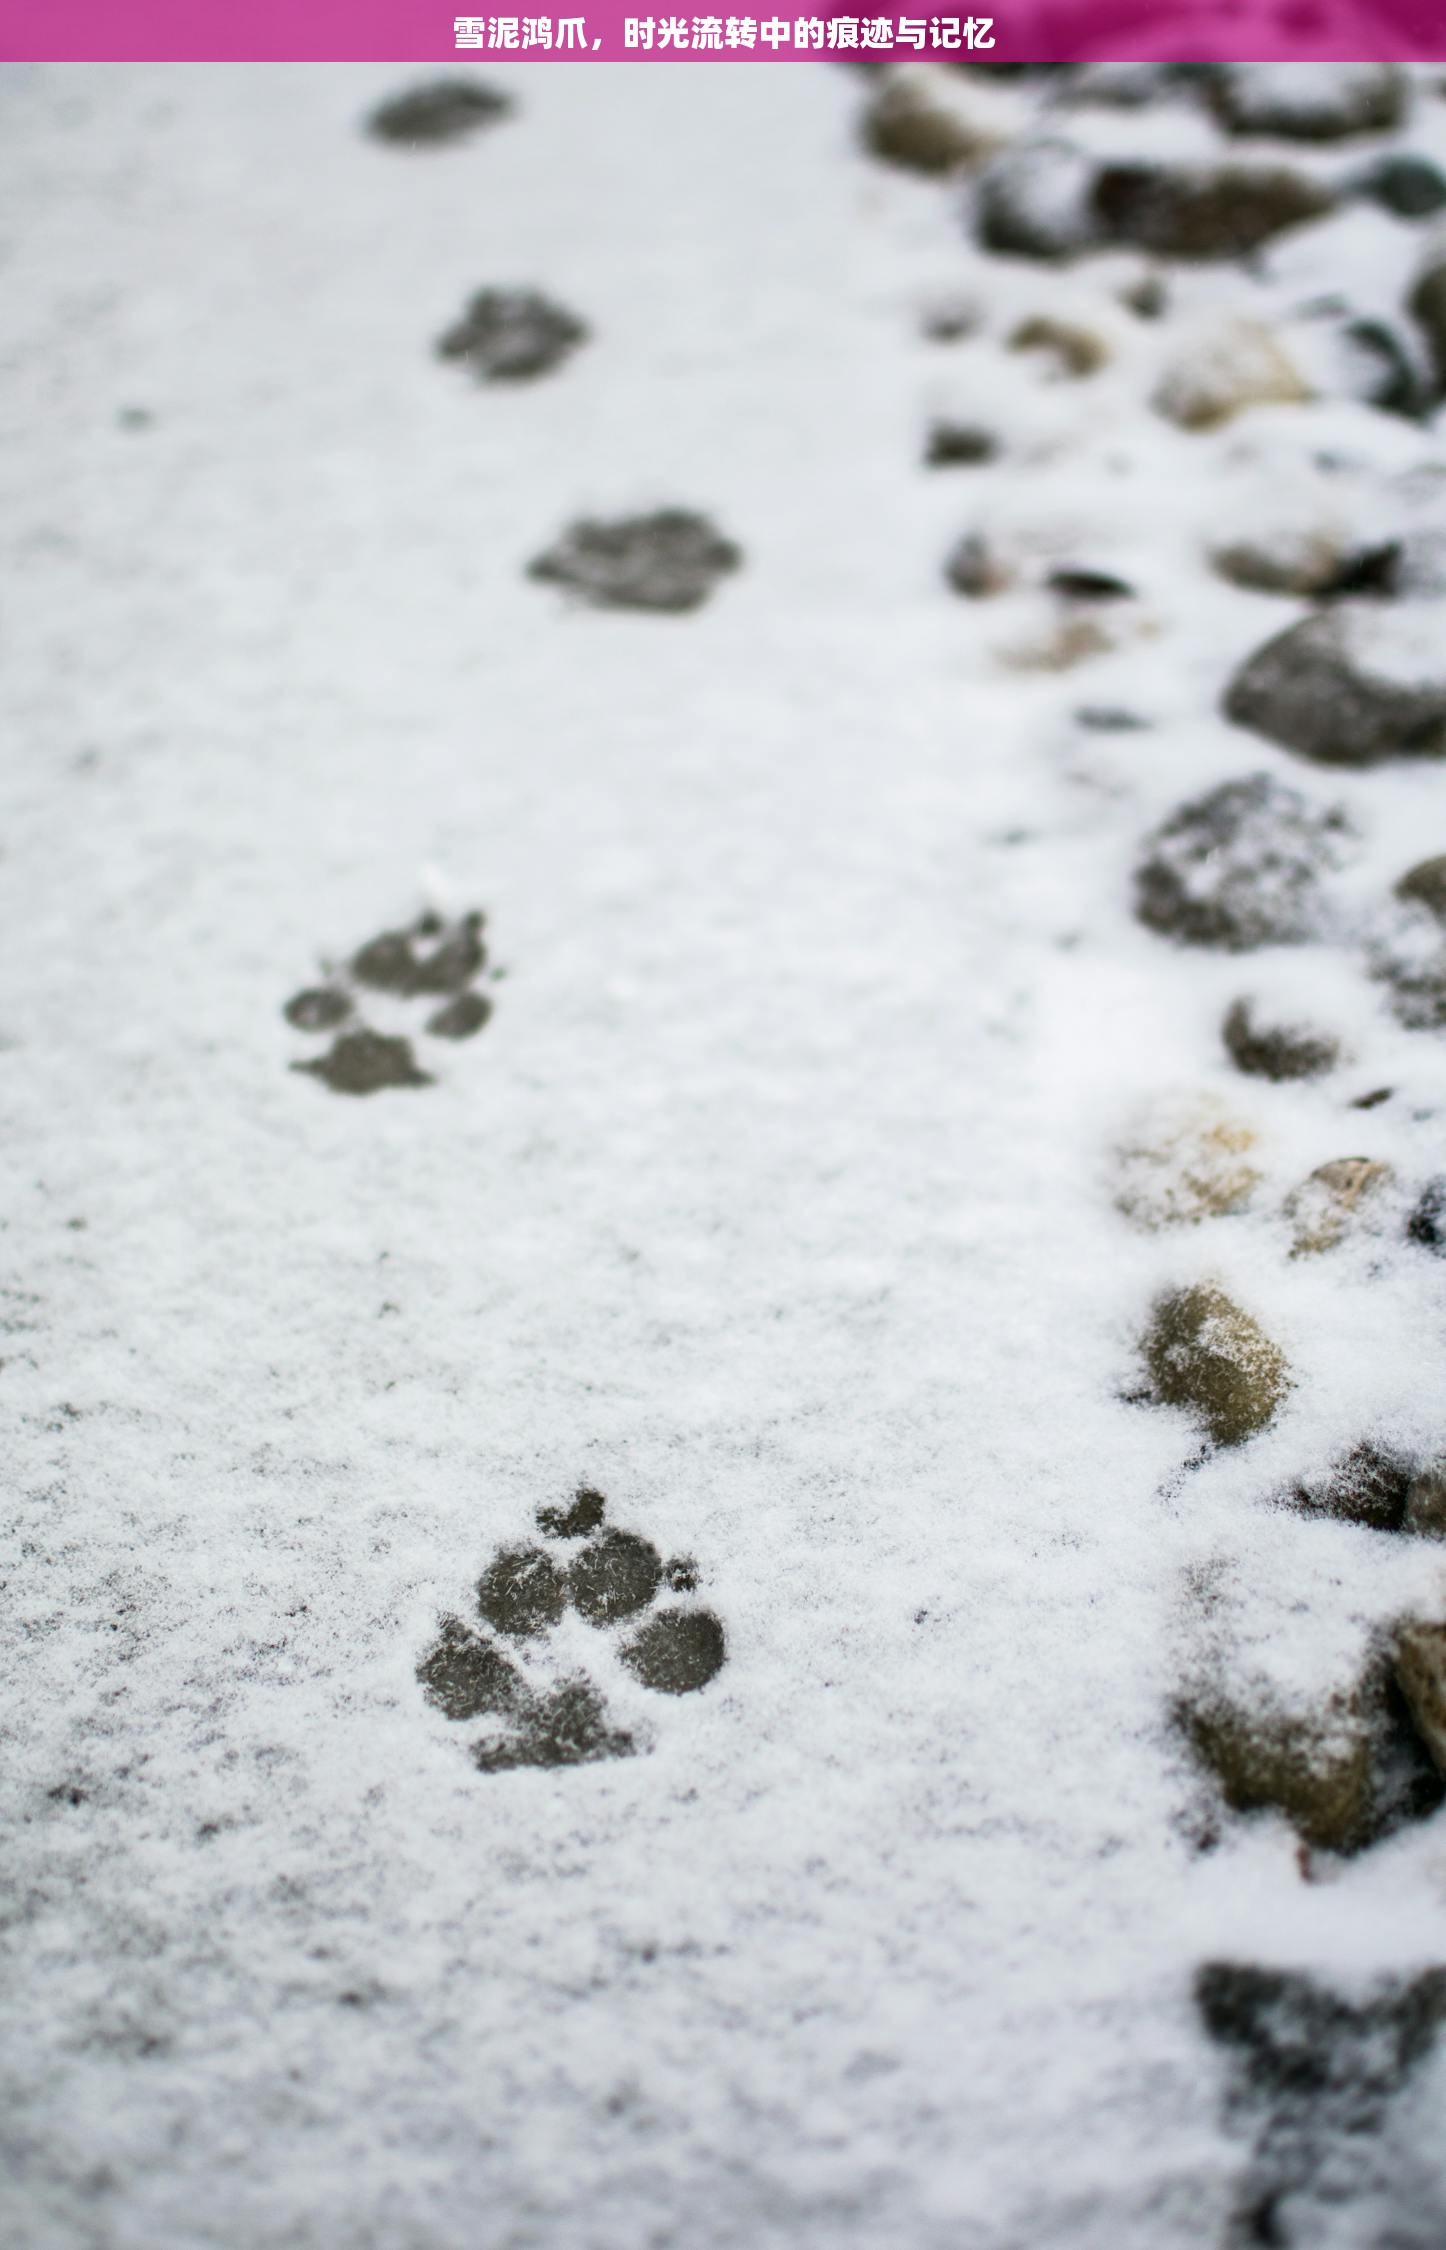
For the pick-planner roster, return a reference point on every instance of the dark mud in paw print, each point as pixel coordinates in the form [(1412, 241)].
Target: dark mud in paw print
[(512, 336), (668, 562), (433, 116), (508, 1670), (419, 979)]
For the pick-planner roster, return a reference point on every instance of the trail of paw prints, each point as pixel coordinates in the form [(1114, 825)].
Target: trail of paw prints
[(508, 1673), (425, 974)]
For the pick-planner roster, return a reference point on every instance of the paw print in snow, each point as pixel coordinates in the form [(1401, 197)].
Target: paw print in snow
[(612, 1579), (431, 966)]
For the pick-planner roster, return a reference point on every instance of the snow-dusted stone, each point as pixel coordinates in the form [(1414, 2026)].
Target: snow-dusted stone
[(1222, 370), (1033, 200), (1308, 101), (1203, 212), (1407, 185), (1187, 1161), (433, 116), (1427, 306), (1421, 1676), (1425, 1510), (1075, 350), (1369, 1487), (1241, 867), (959, 445), (512, 336), (1349, 688), (917, 121), (669, 561), (1278, 1051), (1289, 560), (678, 1651), (1335, 1199), (1427, 1223), (973, 570), (1312, 1766), (1208, 1355), (1425, 885)]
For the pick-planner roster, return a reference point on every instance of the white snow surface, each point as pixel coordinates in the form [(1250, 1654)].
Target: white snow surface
[(775, 1201)]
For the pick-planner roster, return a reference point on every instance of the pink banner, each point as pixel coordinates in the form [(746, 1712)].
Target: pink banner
[(419, 31)]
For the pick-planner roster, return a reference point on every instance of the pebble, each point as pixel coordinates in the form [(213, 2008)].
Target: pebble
[(1241, 867), (1206, 1354)]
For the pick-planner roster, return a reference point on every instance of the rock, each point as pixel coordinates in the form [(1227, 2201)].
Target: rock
[(522, 1592), (1236, 364), (1303, 563), (1076, 351), (1308, 101), (1077, 585), (1349, 687), (1427, 305), (1421, 1676), (1188, 1164), (1368, 1487), (1241, 867), (365, 1062), (1206, 1354), (1280, 1052), (1427, 1223), (1369, 362), (1425, 885), (512, 336), (668, 562), (906, 124), (678, 1651), (1202, 212), (1312, 1767), (431, 116), (1033, 201), (1071, 641), (972, 571), (1325, 1206), (1409, 186), (614, 1577), (959, 445), (1425, 1510)]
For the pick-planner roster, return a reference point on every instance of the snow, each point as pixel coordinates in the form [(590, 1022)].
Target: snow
[(775, 1201)]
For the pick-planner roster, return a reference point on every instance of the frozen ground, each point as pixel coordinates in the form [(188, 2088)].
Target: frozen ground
[(774, 1202)]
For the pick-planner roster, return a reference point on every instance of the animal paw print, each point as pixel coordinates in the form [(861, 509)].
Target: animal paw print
[(508, 1674), (434, 963)]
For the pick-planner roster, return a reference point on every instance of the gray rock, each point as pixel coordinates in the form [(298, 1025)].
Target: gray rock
[(1202, 212), (512, 336), (1425, 885), (1208, 1355), (1421, 1677), (1336, 689), (1425, 1511), (904, 127), (669, 561), (1277, 1051), (1314, 1767), (1310, 101), (1427, 305), (1033, 201), (1427, 1223), (1369, 1487), (1241, 867), (433, 116), (1408, 186)]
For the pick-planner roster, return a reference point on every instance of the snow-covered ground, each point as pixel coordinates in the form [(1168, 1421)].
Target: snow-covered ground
[(776, 1201)]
